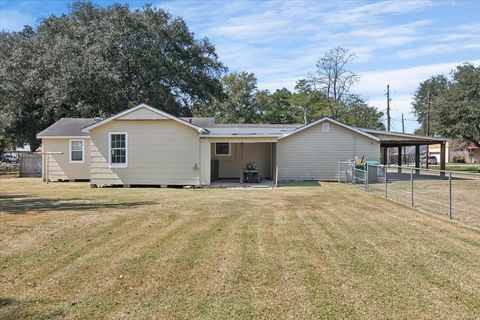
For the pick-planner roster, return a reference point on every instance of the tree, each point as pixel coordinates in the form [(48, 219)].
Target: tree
[(98, 61), (238, 105), (426, 114), (313, 104), (277, 107), (331, 76), (356, 112), (458, 107)]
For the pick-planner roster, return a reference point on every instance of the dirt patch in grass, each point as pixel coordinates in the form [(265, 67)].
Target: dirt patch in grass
[(328, 251)]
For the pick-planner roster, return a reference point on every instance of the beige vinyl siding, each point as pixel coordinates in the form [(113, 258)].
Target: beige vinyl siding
[(142, 114), (313, 155), (160, 152), (231, 166), (59, 166)]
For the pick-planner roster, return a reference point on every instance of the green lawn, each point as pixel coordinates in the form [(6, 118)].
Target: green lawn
[(453, 167), (329, 251)]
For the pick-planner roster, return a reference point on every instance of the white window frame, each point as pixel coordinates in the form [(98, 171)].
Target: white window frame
[(223, 154), (325, 127), (117, 165), (70, 150)]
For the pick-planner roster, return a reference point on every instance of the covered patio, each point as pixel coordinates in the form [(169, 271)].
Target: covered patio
[(228, 157), (229, 160)]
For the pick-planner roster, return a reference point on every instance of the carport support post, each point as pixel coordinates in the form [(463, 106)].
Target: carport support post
[(417, 158), (399, 162), (411, 187), (450, 195), (442, 159), (386, 181)]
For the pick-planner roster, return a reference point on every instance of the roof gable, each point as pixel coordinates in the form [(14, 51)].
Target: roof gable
[(142, 114), (147, 111), (325, 119)]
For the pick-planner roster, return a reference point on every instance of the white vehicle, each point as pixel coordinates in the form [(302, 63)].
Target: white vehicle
[(10, 159), (431, 160)]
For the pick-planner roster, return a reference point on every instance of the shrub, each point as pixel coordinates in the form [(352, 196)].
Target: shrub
[(458, 159), (9, 168)]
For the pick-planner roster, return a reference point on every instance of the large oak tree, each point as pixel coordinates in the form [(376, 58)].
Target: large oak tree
[(97, 61)]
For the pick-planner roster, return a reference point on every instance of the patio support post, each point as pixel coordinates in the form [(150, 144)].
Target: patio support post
[(417, 158), (274, 163), (241, 162), (400, 159), (442, 159), (385, 156)]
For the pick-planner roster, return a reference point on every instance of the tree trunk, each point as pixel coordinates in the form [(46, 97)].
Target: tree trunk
[(34, 144)]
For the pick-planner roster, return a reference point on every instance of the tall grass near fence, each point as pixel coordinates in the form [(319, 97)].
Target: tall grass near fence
[(9, 170), (449, 194)]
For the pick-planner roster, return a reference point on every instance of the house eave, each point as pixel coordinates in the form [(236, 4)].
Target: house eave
[(63, 137)]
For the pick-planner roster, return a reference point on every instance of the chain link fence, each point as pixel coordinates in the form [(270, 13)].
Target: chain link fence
[(452, 194)]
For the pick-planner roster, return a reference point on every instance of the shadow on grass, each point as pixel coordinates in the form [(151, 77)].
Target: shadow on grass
[(299, 184), (21, 204), (18, 309)]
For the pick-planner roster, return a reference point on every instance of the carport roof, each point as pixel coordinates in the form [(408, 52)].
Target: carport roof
[(390, 138)]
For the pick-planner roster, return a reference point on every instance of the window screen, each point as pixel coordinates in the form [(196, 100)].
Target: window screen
[(222, 148)]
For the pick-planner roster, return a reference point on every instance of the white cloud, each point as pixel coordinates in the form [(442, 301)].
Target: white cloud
[(14, 20), (403, 83), (403, 80)]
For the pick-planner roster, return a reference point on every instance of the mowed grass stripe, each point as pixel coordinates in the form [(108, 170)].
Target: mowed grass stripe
[(423, 258)]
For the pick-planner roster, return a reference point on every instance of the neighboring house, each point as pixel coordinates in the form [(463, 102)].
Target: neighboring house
[(467, 151), (146, 146)]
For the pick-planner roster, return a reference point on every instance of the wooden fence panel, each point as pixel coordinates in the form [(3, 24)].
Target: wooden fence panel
[(31, 165)]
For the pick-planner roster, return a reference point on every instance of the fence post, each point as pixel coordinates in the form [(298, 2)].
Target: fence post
[(353, 173), (450, 195), (386, 183), (339, 170), (411, 187), (366, 178), (346, 174)]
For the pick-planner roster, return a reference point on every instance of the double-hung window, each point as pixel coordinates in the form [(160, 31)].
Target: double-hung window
[(118, 149), (77, 151)]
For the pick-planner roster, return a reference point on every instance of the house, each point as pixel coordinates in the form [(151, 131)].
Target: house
[(146, 146), (469, 152)]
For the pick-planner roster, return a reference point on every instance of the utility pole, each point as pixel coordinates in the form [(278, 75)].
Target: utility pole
[(403, 131), (387, 153), (388, 107), (428, 127)]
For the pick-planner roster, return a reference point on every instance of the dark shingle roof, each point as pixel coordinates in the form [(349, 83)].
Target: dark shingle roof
[(67, 127), (202, 122)]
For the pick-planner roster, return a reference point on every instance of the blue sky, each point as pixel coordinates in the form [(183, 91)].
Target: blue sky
[(396, 42)]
